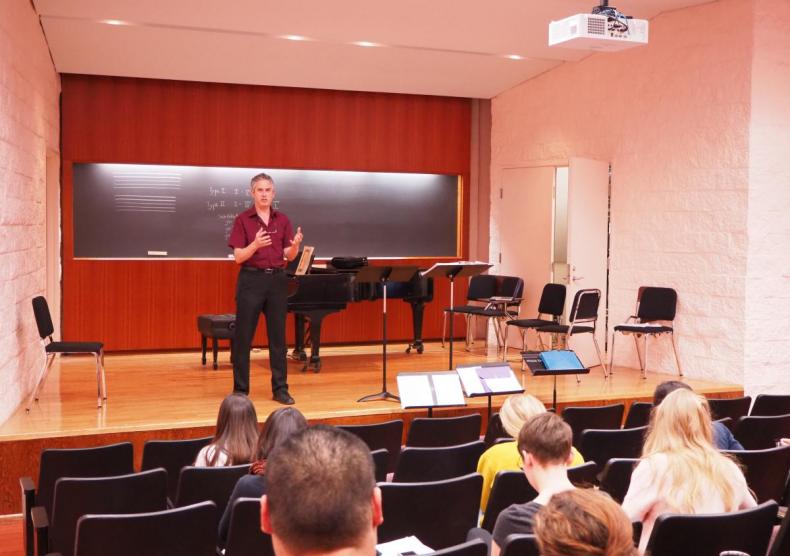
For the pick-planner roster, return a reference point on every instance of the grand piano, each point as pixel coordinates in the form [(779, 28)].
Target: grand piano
[(327, 291)]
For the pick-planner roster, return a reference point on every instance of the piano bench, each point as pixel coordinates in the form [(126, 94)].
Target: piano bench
[(216, 327)]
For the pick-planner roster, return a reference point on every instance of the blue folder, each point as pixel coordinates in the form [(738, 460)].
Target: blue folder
[(560, 359)]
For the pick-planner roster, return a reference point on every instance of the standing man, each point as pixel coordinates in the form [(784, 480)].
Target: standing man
[(262, 239)]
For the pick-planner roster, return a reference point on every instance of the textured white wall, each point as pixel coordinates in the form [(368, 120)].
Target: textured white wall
[(29, 127)]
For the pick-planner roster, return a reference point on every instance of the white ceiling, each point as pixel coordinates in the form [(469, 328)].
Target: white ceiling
[(433, 47)]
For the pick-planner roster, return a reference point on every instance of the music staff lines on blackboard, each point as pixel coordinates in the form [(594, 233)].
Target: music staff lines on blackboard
[(145, 203)]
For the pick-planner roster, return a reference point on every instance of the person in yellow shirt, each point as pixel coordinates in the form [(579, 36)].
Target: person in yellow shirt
[(516, 410)]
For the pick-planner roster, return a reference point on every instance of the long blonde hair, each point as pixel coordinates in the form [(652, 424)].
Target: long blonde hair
[(517, 409), (681, 430)]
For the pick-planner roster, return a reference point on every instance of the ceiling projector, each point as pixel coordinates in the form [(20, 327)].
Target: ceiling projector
[(605, 29)]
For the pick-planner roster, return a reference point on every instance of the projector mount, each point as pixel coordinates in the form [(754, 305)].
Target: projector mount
[(617, 19)]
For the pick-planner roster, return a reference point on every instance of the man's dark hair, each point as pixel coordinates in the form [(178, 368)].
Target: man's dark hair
[(547, 437), (259, 177), (320, 485), (665, 388)]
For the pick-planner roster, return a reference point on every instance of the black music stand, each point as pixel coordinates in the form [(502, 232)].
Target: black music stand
[(380, 274), (536, 366), (452, 271)]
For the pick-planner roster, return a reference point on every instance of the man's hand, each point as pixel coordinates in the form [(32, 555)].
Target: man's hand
[(297, 240), (262, 239)]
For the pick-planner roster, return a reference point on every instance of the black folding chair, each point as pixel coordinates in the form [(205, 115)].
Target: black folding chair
[(616, 477), (550, 309), (438, 513), (381, 462), (481, 288), (444, 431), (592, 417), (52, 348), (520, 545), (638, 415), (771, 404), (711, 534), (781, 544), (387, 435), (495, 431), (510, 487), (584, 475), (187, 531), (245, 537), (419, 465), (474, 547), (102, 461), (765, 471), (653, 306), (172, 455), (583, 319), (198, 484), (761, 432), (734, 408), (602, 445)]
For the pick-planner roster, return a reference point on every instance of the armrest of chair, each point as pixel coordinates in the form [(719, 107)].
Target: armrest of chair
[(28, 501), (41, 525)]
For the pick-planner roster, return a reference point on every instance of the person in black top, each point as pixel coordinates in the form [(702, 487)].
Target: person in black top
[(280, 425)]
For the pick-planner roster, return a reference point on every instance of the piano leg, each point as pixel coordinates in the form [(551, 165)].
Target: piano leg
[(299, 326), (417, 310), (315, 344)]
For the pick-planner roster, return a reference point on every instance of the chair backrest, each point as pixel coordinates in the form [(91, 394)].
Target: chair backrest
[(125, 494), (188, 531), (707, 534), (602, 445), (102, 461), (735, 408), (444, 431), (474, 547), (387, 435), (552, 300), (494, 430), (510, 487), (616, 477), (172, 455), (198, 484), (593, 417), (638, 415), (520, 545), (438, 513), (584, 475), (765, 471), (481, 287), (761, 432), (245, 537), (657, 304), (381, 462), (781, 544), (771, 404), (43, 318), (509, 286), (585, 306), (419, 465)]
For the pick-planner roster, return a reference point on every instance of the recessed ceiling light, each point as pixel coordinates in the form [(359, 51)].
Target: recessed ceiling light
[(514, 57), (294, 37), (114, 22), (366, 43)]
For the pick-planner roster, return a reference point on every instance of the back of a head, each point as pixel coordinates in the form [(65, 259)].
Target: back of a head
[(517, 409), (681, 421), (320, 484), (584, 522), (280, 424), (237, 429), (547, 438), (666, 388)]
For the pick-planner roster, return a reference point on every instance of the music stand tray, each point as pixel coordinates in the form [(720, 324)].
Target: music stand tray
[(537, 368)]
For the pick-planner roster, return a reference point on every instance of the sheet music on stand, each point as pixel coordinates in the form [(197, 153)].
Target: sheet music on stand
[(430, 389), (489, 379)]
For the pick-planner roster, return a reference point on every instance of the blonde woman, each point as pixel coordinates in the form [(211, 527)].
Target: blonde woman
[(680, 470), (515, 412)]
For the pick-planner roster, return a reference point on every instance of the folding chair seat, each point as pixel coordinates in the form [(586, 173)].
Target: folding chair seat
[(419, 465), (102, 461), (602, 445), (734, 408), (474, 547), (76, 497), (711, 534), (520, 545), (510, 487), (436, 432), (550, 309), (616, 477), (771, 404), (198, 484), (438, 513), (592, 417), (388, 434), (245, 537), (761, 432), (188, 531), (765, 471), (583, 319), (638, 415), (653, 306), (52, 348), (172, 456)]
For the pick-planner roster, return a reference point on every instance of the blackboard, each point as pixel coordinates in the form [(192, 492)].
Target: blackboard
[(154, 211)]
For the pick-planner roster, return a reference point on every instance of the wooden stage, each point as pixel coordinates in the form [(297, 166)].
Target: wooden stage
[(171, 395)]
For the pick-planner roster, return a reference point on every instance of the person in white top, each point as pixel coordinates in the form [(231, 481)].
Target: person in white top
[(236, 435), (680, 470)]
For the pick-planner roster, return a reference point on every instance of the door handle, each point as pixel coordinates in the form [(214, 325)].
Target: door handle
[(577, 278)]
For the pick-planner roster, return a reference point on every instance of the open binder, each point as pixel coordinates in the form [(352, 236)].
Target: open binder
[(430, 389)]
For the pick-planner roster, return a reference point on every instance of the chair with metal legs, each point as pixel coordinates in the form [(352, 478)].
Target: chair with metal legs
[(52, 348), (582, 320), (654, 306), (481, 288), (550, 309)]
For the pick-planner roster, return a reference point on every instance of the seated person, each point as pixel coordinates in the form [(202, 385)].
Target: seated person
[(505, 456), (545, 447), (322, 497), (722, 436), (281, 424), (680, 470), (584, 522), (235, 437)]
